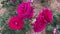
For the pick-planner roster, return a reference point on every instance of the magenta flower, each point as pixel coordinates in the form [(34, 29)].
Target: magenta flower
[(16, 23), (25, 10), (48, 16), (42, 20), (40, 23)]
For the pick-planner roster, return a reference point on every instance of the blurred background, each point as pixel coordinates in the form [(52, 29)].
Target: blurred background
[(7, 8)]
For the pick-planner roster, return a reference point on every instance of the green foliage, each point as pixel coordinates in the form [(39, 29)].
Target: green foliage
[(1, 22), (49, 32), (27, 25), (13, 13), (49, 27), (9, 4), (8, 31), (20, 32), (58, 32), (55, 23), (5, 16)]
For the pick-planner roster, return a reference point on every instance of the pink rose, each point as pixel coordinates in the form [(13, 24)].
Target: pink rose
[(48, 16), (16, 23), (42, 20), (40, 23), (25, 10)]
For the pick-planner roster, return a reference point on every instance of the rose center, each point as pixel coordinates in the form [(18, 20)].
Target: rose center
[(16, 23)]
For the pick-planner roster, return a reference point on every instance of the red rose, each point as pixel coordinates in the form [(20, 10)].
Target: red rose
[(16, 23)]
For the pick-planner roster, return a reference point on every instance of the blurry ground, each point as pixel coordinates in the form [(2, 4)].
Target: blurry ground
[(37, 5)]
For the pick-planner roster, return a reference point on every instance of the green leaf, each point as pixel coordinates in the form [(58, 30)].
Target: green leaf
[(58, 32), (22, 32), (58, 15), (27, 25), (13, 13), (7, 26), (58, 26), (1, 22), (10, 4), (49, 27), (8, 31), (5, 32), (49, 32), (5, 16)]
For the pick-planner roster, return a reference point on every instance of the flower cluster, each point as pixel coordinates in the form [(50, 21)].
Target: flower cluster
[(44, 18), (24, 10)]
